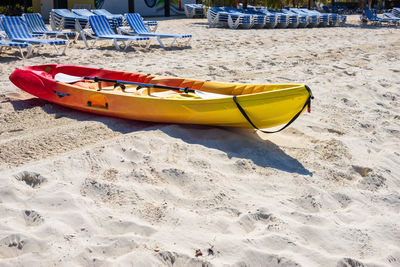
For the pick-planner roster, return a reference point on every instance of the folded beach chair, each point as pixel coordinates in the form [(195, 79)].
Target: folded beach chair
[(17, 30), (374, 19), (61, 19), (137, 26), (116, 20), (102, 30), (37, 26)]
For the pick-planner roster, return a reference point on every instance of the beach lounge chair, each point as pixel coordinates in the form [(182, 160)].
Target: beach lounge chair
[(102, 30), (137, 26), (37, 26), (374, 19), (116, 20), (61, 19), (17, 30), (392, 17), (396, 11)]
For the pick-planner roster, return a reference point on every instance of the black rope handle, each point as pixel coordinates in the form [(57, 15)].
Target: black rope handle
[(308, 103)]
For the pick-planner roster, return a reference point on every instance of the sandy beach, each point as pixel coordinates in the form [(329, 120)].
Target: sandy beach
[(78, 189)]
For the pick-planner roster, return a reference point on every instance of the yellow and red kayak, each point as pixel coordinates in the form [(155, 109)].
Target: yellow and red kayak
[(134, 96)]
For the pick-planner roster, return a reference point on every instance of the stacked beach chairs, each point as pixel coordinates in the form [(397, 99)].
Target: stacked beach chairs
[(261, 17), (78, 19), (194, 10)]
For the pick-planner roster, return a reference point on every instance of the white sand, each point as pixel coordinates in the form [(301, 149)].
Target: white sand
[(112, 192)]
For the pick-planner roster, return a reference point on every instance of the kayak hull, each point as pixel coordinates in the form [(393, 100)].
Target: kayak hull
[(266, 105)]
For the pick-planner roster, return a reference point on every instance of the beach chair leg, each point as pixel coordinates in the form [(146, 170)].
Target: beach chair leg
[(160, 42), (188, 41), (83, 34), (116, 44), (55, 46), (76, 37), (147, 44), (65, 47), (22, 53), (30, 51)]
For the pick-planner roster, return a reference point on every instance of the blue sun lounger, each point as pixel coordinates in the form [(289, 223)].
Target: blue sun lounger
[(4, 43), (392, 17), (37, 26), (116, 20), (102, 30), (396, 11), (137, 26), (17, 30), (371, 17)]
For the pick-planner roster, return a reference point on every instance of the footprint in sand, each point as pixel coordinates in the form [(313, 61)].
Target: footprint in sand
[(32, 218), (348, 262), (13, 241), (32, 179)]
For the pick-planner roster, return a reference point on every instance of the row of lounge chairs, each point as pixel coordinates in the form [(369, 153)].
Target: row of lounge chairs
[(269, 18), (392, 18), (14, 32), (23, 32), (61, 19)]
